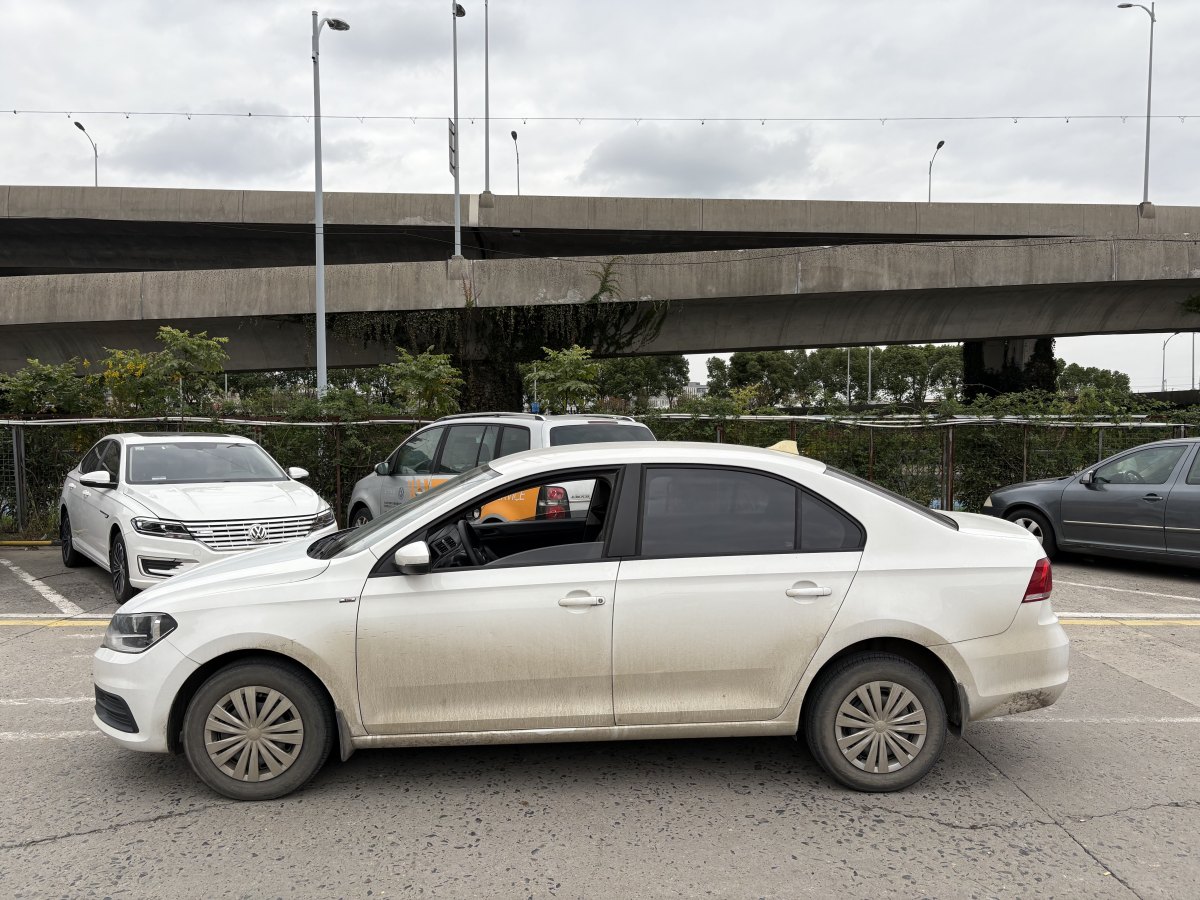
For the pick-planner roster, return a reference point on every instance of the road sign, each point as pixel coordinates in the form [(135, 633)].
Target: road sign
[(453, 146)]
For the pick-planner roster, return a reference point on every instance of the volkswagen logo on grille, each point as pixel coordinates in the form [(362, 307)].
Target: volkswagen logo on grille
[(258, 533)]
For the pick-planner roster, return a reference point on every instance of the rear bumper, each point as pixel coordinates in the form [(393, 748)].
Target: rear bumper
[(1021, 669)]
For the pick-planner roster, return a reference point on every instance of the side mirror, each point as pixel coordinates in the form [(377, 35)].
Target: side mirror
[(413, 559), (297, 472), (381, 468), (1088, 477), (97, 479)]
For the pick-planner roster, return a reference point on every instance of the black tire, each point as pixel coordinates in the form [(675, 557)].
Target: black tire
[(309, 705), (71, 557), (118, 570), (359, 516), (823, 725), (1037, 525)]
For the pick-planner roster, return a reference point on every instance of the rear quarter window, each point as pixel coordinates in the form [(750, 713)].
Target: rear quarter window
[(598, 433)]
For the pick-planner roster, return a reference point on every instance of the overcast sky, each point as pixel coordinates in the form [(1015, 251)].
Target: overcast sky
[(585, 60)]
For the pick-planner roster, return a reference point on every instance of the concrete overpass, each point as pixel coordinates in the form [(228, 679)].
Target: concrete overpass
[(718, 300), (47, 230)]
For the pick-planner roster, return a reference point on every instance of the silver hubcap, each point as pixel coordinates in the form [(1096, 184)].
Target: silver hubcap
[(253, 734), (880, 727), (1031, 526)]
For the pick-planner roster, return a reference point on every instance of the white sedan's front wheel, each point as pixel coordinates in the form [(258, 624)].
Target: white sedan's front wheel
[(877, 722), (258, 730)]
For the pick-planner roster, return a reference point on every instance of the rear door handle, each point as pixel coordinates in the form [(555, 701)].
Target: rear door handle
[(575, 602), (813, 591), (1152, 498)]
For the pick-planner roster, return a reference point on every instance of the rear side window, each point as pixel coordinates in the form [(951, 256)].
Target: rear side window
[(598, 433), (515, 439), (716, 512), (1194, 472), (826, 529), (461, 450)]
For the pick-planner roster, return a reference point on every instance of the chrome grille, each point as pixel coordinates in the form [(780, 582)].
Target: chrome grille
[(241, 534)]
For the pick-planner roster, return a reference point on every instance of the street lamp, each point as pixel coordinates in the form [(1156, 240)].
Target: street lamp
[(518, 149), (457, 12), (319, 194), (95, 155), (940, 145), (485, 199), (1164, 359), (1146, 210)]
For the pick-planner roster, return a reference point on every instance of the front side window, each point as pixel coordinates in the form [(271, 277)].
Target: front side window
[(1153, 465), (716, 512), (91, 459), (194, 462), (110, 459), (415, 456)]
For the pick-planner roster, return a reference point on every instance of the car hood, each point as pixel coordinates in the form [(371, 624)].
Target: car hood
[(257, 569), (975, 523), (226, 500), (1038, 483)]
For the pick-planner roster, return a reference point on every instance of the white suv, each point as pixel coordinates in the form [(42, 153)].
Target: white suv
[(454, 444), (150, 506)]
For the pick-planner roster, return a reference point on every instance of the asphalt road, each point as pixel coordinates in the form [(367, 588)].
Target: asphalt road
[(1097, 796)]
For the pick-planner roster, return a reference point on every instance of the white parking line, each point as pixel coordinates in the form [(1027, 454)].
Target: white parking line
[(95, 617), (1095, 720), (51, 701), (65, 606), (1101, 587), (1119, 616), (45, 735)]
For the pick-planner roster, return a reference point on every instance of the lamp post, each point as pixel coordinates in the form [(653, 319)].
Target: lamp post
[(1146, 210), (518, 149), (1164, 359), (485, 199), (940, 145), (95, 155), (457, 12), (319, 194)]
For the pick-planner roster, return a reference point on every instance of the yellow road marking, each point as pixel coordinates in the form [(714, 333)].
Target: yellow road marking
[(1140, 623)]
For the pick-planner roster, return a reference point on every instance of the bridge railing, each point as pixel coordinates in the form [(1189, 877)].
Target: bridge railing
[(945, 463)]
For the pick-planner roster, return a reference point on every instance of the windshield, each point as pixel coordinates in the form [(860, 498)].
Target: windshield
[(193, 462), (356, 539), (597, 433)]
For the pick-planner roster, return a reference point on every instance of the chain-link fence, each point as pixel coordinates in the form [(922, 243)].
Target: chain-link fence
[(948, 463)]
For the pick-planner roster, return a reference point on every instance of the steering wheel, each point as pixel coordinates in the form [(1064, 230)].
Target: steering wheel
[(469, 541), (1132, 477)]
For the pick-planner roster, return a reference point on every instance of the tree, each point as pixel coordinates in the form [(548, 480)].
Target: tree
[(158, 381), (426, 385), (772, 374), (634, 380), (40, 389), (566, 379), (1074, 378), (718, 377)]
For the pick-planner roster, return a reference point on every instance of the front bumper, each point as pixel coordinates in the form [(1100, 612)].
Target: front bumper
[(153, 560), (148, 683), (1020, 669)]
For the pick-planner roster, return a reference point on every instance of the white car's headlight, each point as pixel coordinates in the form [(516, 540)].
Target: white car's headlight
[(324, 518), (135, 632), (162, 528), (987, 504)]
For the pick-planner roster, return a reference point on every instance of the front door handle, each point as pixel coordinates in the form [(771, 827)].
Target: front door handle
[(813, 591), (1152, 498), (576, 602)]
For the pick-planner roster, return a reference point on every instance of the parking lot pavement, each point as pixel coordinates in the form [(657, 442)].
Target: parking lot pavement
[(1095, 796)]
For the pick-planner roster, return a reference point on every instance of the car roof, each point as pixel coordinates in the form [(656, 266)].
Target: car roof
[(180, 437), (563, 419), (629, 452)]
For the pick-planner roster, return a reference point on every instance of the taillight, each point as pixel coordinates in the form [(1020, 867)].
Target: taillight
[(552, 503), (1040, 583)]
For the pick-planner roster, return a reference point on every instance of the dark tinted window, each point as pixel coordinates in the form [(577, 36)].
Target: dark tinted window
[(91, 459), (716, 512), (1194, 473), (110, 459), (598, 432), (824, 528), (514, 440), (461, 449)]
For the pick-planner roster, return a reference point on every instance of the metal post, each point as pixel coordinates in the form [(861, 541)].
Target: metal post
[(1149, 94), (517, 149), (1100, 444), (18, 447), (847, 378), (318, 210), (870, 393), (454, 8), (950, 468), (485, 199), (1025, 452), (940, 144)]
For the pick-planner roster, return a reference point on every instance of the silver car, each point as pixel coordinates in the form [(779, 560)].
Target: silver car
[(1142, 503), (454, 444)]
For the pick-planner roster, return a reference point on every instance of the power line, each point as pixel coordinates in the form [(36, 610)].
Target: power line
[(637, 120)]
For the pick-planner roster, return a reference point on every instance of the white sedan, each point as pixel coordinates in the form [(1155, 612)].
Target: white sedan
[(148, 507), (710, 591)]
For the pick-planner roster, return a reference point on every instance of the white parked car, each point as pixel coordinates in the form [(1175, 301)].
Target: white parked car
[(711, 590), (148, 507)]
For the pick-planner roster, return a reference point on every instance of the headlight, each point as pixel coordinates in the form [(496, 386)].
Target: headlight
[(162, 528), (323, 519), (987, 504), (135, 632)]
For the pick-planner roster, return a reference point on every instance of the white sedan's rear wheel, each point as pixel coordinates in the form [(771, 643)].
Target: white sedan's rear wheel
[(877, 722)]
